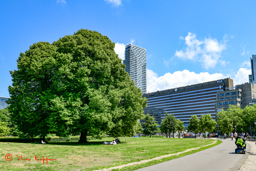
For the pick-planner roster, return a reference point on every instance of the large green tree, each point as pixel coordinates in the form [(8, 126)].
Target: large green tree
[(75, 85), (194, 124), (225, 123), (149, 126), (207, 124), (168, 124)]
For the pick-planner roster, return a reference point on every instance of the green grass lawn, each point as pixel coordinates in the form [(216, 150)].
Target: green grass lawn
[(91, 156)]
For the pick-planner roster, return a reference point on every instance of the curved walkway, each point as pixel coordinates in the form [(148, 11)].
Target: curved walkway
[(221, 157), (156, 158)]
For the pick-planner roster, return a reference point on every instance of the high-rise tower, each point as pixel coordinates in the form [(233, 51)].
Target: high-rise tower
[(135, 61), (253, 65)]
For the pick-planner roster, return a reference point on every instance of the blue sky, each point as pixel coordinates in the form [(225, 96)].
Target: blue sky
[(187, 42)]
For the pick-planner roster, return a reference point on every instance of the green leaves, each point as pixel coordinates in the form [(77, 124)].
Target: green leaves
[(150, 125), (234, 116), (194, 124)]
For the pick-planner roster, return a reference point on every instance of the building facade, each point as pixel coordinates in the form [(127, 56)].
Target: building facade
[(231, 96), (248, 93), (183, 102), (135, 61), (3, 103), (253, 68)]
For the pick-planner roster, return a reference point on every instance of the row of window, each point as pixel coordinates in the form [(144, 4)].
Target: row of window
[(185, 106), (183, 99), (193, 91), (192, 113), (227, 94), (225, 103), (191, 101), (235, 97)]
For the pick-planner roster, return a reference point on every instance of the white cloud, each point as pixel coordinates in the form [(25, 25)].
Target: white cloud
[(242, 76), (206, 51), (186, 77), (132, 41), (178, 79), (245, 51), (61, 1), (120, 49), (246, 64), (114, 2)]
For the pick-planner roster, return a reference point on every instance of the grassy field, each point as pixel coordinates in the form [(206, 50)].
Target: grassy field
[(91, 156)]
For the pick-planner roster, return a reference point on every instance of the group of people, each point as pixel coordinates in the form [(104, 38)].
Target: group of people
[(114, 142), (242, 135)]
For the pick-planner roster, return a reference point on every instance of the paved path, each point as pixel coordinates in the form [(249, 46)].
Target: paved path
[(250, 163), (221, 157)]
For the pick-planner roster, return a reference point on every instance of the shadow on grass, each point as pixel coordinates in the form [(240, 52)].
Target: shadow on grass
[(67, 143)]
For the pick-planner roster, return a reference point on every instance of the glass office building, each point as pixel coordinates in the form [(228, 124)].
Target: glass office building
[(3, 104), (183, 102), (253, 67), (135, 61)]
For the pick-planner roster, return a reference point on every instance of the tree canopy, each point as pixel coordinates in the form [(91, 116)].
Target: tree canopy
[(237, 119), (74, 85), (207, 124), (194, 124), (149, 126), (168, 124), (180, 126)]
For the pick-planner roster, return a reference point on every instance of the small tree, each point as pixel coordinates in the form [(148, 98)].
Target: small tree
[(150, 125), (180, 126), (225, 123), (168, 124), (194, 124), (207, 124), (4, 130)]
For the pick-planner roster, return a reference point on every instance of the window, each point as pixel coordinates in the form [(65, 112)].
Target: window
[(221, 95), (221, 98), (234, 97), (233, 93), (225, 103), (232, 102), (219, 103), (227, 94), (228, 98)]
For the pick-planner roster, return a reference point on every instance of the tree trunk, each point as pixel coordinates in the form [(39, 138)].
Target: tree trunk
[(43, 138), (169, 135), (83, 138), (173, 134)]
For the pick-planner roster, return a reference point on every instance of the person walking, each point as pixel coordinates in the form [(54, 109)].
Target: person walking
[(231, 135)]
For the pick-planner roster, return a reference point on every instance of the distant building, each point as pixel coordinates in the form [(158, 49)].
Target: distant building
[(231, 96), (135, 61), (248, 93), (253, 67), (241, 95), (3, 103), (183, 102), (250, 79)]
